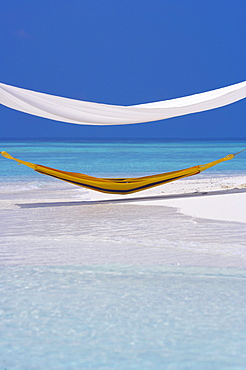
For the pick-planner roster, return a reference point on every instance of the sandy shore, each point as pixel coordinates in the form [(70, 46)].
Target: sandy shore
[(221, 199), (190, 222), (222, 205)]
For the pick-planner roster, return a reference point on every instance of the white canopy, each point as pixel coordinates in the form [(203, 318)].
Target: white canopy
[(86, 113)]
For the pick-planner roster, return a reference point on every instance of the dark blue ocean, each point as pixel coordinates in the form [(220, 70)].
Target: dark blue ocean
[(117, 286)]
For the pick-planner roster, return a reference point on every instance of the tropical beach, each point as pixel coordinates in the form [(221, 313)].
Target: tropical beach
[(133, 228), (122, 185), (183, 227), (86, 266)]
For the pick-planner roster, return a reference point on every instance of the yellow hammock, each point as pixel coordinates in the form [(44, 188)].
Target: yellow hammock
[(119, 186)]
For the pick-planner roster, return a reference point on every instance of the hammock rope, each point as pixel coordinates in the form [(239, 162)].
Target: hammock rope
[(120, 185)]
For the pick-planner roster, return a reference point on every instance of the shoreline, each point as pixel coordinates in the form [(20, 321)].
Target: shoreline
[(179, 224), (188, 204), (214, 198)]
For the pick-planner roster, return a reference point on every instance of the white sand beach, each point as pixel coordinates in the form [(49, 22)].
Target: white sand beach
[(220, 198), (190, 222)]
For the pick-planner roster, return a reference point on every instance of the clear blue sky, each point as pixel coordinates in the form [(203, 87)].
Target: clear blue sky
[(124, 52)]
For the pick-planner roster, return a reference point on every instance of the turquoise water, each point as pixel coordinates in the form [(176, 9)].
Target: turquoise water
[(119, 158), (122, 317), (59, 310)]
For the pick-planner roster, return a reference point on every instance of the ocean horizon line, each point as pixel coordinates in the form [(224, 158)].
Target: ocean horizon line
[(116, 139)]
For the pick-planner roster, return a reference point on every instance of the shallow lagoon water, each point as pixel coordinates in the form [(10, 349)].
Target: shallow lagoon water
[(122, 317)]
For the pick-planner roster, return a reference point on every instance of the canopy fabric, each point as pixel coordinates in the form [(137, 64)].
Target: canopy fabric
[(87, 113), (119, 186)]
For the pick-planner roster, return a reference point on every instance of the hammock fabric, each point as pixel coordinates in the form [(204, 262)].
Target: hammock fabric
[(87, 113), (119, 186)]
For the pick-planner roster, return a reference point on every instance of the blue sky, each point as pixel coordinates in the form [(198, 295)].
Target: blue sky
[(124, 52)]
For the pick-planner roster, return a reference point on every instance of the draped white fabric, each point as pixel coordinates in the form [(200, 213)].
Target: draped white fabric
[(87, 113)]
